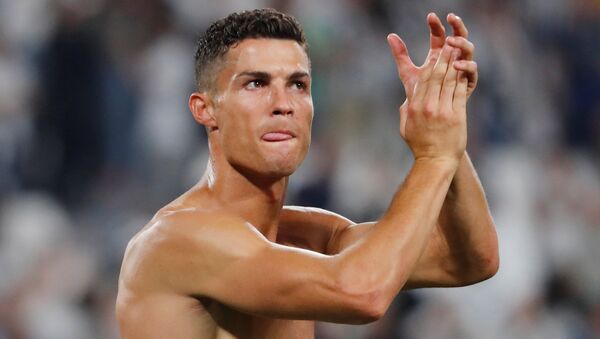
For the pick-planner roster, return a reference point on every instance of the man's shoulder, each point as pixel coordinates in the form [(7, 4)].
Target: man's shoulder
[(174, 238), (174, 218), (173, 227)]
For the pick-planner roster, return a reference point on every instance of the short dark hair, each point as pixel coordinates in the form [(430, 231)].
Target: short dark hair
[(236, 27)]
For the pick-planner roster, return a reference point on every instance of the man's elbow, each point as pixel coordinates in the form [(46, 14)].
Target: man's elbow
[(481, 269), (371, 307), (491, 257), (478, 266), (487, 264), (485, 260), (363, 302)]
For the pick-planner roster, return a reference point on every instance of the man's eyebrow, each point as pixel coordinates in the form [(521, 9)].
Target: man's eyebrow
[(265, 75), (299, 74), (254, 74)]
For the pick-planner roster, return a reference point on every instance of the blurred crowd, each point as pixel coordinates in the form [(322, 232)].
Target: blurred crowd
[(95, 136)]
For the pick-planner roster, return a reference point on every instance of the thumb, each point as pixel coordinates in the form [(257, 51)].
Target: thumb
[(400, 54), (403, 117)]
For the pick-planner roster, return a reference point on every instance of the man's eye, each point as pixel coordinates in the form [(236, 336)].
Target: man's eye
[(300, 85), (253, 84)]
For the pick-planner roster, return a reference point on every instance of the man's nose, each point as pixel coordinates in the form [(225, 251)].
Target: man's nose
[(282, 103)]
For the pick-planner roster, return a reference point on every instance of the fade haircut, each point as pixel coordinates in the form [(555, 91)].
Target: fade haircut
[(228, 32)]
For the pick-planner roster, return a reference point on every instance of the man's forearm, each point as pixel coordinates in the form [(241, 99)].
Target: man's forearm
[(402, 232), (467, 225)]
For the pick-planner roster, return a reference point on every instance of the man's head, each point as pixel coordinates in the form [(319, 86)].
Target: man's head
[(254, 92), (228, 32)]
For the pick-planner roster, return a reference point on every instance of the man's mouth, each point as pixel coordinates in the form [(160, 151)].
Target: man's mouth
[(278, 136)]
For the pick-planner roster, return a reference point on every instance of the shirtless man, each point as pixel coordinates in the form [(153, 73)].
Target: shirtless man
[(228, 260)]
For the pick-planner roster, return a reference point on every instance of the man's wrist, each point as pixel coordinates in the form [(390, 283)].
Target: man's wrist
[(450, 163), (437, 167)]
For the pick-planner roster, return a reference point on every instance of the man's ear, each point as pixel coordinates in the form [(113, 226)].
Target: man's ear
[(202, 109)]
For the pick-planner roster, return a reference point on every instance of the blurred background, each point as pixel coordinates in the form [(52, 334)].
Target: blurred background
[(95, 136)]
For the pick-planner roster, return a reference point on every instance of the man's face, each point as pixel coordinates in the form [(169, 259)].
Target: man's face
[(263, 106)]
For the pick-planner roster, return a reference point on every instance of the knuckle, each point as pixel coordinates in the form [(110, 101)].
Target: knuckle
[(403, 109), (470, 45), (429, 109), (412, 108)]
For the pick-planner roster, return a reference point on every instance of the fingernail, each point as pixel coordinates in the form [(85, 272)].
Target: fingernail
[(451, 39)]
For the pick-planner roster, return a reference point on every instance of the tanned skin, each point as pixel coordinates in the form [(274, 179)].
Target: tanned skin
[(228, 260)]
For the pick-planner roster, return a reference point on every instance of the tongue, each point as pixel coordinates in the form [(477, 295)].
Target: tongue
[(275, 136)]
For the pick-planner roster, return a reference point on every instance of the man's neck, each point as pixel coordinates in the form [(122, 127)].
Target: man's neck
[(259, 201)]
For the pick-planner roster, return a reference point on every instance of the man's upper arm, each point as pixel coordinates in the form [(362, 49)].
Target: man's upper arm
[(317, 228), (228, 260), (324, 229)]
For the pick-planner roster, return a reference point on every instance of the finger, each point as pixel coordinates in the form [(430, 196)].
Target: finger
[(416, 101), (400, 53), (458, 26), (435, 81), (469, 68), (437, 32), (460, 94), (466, 47), (449, 85)]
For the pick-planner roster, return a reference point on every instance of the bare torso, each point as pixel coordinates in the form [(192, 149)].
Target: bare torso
[(150, 310), (186, 317)]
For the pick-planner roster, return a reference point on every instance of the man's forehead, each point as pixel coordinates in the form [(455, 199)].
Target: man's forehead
[(267, 55)]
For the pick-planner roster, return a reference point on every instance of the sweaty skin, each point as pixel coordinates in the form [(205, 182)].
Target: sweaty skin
[(227, 260)]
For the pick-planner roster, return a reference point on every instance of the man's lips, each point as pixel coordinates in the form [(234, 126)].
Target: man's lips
[(277, 136)]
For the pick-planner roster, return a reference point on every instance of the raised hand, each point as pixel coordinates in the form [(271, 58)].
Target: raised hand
[(409, 73), (435, 116)]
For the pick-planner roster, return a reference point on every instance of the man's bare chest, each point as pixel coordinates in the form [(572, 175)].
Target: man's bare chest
[(230, 323)]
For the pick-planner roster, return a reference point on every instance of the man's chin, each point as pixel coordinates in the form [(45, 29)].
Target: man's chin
[(283, 164), (281, 170), (271, 171)]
